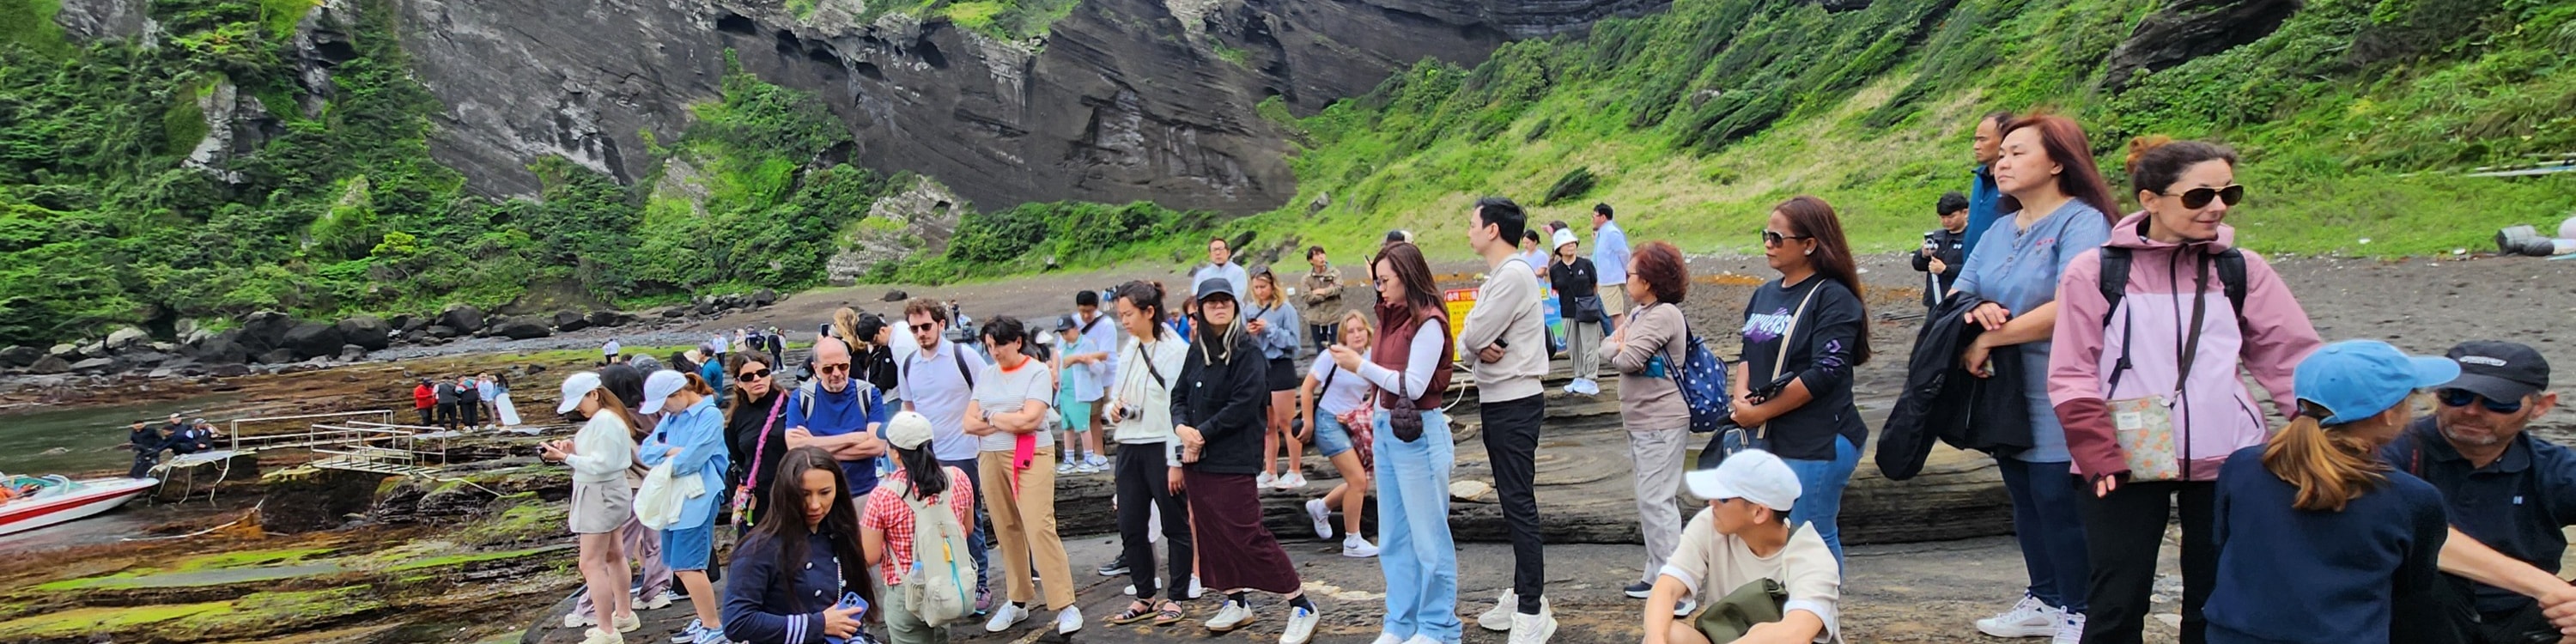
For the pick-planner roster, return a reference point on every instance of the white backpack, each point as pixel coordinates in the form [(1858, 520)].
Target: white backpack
[(940, 587)]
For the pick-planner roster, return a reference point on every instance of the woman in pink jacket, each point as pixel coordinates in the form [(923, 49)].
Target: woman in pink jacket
[(2139, 429)]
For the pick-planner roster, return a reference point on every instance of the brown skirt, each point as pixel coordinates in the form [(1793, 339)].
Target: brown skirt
[(1235, 551)]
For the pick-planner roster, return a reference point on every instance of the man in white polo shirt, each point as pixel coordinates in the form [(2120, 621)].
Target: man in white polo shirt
[(936, 382), (1744, 538)]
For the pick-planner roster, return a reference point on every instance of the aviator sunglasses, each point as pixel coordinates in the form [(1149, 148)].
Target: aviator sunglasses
[(2199, 197)]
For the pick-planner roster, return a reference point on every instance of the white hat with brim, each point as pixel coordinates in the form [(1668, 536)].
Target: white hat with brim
[(1752, 475), (1563, 236), (659, 387), (574, 387)]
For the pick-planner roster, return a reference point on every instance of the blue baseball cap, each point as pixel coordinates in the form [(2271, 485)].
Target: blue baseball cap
[(2356, 379)]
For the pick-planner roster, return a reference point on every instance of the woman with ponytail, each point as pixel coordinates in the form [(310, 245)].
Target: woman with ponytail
[(600, 454), (2315, 534), (691, 439)]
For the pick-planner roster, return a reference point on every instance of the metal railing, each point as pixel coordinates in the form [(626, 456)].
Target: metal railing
[(306, 437)]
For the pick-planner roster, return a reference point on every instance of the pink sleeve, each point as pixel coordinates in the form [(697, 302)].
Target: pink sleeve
[(2278, 333), (876, 513), (2075, 369)]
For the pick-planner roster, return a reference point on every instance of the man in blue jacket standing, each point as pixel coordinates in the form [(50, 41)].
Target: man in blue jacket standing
[(1982, 192)]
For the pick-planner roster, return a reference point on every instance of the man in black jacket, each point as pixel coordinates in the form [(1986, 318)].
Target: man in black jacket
[(1944, 251)]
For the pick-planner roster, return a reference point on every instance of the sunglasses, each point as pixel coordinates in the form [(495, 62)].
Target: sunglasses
[(832, 368), (2464, 398), (1772, 238), (2199, 197), (924, 328), (755, 374)]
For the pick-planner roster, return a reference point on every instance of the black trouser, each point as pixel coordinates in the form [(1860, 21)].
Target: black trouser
[(2446, 612), (468, 411), (1511, 443), (424, 416), (2121, 534), (1144, 483), (1325, 335), (143, 462), (446, 415)]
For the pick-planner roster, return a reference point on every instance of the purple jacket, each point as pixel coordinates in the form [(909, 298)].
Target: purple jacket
[(2215, 410)]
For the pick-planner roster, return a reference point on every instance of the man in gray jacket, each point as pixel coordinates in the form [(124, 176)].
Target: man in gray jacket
[(1507, 332)]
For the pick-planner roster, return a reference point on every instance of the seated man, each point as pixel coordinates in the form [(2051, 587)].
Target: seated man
[(1744, 538), (2505, 489)]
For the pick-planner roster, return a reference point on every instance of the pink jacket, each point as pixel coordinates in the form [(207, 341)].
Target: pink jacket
[(2215, 414)]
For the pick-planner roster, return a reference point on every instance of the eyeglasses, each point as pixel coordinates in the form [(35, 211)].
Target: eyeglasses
[(2199, 197), (2464, 397), (1772, 238), (925, 327), (757, 374), (832, 368)]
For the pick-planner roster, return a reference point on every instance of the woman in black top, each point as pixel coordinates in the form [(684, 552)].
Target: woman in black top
[(1578, 297), (1803, 335), (752, 434), (1217, 413)]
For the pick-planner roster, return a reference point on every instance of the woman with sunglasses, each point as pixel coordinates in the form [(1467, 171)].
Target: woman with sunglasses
[(2167, 361), (752, 433), (1804, 333), (2055, 206)]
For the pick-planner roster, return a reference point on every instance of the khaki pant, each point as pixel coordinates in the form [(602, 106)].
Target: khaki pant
[(902, 625), (1026, 525)]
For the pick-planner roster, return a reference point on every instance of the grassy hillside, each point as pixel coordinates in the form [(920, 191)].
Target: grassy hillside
[(2354, 118)]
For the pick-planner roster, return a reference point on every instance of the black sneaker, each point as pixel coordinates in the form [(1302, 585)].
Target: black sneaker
[(1115, 567), (1640, 590)]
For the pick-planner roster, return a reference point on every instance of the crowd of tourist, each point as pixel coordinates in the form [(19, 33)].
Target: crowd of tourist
[(907, 486)]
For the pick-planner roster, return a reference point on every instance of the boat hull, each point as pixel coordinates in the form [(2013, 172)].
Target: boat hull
[(99, 496)]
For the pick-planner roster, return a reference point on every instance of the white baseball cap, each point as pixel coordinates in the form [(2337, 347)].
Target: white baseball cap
[(574, 387), (908, 430), (659, 386), (1752, 475)]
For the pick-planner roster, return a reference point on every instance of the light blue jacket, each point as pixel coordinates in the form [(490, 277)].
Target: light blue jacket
[(699, 433), (1280, 339)]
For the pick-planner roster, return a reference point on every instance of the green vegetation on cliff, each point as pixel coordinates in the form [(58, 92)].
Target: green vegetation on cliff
[(2355, 118)]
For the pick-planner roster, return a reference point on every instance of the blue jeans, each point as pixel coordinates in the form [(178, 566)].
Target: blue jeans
[(975, 546), (1415, 549), (1820, 492), (2051, 532)]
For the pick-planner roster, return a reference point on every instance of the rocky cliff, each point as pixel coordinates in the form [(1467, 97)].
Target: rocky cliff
[(1121, 100)]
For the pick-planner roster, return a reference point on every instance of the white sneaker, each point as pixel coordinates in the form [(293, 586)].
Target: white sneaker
[(1064, 468), (578, 620), (1358, 548), (596, 636), (1230, 617), (1086, 468), (1533, 629), (661, 601), (688, 634), (1323, 518), (1266, 480), (1293, 481), (627, 623), (1384, 637), (1005, 615), (1130, 590), (1422, 639), (1499, 618), (1068, 621), (2029, 617), (1685, 607), (1196, 590), (2069, 630), (1301, 626), (710, 636)]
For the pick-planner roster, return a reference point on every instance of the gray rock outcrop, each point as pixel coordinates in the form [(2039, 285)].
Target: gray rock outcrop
[(2188, 29), (459, 319), (521, 328), (367, 332), (312, 339)]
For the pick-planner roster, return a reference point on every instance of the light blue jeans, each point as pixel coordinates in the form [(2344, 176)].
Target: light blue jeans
[(1820, 492), (1415, 550)]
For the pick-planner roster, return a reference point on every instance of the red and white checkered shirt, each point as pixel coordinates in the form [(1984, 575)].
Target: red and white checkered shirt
[(887, 511)]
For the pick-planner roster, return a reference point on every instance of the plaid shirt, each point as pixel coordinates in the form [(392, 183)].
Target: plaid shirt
[(887, 511)]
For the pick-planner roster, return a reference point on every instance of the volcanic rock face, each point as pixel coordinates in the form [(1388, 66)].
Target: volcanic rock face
[(2190, 29), (1121, 100)]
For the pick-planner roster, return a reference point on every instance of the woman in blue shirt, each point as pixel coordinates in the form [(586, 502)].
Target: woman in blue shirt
[(691, 439), (2315, 533), (2055, 206)]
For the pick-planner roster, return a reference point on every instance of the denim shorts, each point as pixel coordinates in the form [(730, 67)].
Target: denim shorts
[(689, 548), (1331, 437)]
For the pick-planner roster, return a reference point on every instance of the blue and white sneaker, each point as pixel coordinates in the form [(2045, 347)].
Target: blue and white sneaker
[(688, 634)]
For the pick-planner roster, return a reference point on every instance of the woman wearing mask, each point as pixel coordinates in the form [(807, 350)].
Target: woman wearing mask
[(600, 455), (1578, 296), (1273, 326), (1008, 416), (1148, 471), (691, 440), (752, 435), (788, 577), (1410, 365), (1804, 333), (1648, 351), (2053, 209), (1342, 434), (2315, 534), (2171, 357), (1217, 415), (888, 526)]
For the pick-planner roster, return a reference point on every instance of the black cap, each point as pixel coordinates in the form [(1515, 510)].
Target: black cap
[(2499, 371), (1216, 286), (1066, 323)]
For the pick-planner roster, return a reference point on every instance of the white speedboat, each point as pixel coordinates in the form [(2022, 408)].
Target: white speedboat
[(35, 502)]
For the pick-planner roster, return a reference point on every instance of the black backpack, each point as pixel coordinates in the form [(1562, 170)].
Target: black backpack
[(2115, 279)]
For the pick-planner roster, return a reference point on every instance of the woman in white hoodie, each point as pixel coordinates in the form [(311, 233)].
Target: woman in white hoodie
[(1148, 467), (600, 455)]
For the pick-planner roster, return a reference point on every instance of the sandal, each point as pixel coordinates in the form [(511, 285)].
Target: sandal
[(1136, 612), (1168, 613)]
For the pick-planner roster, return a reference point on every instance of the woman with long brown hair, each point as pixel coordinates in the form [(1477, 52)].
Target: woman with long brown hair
[(752, 433), (2315, 534), (788, 577), (1274, 324), (1410, 366), (600, 455), (1804, 333)]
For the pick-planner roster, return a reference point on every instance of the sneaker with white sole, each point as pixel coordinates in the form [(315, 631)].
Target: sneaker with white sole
[(1231, 616), (1293, 481), (2069, 630), (1533, 629), (2029, 617), (1358, 548), (1087, 468), (1685, 608), (1114, 568), (1639, 590), (711, 636), (1266, 481), (1499, 618), (1068, 621), (627, 623), (578, 620), (1064, 468), (1422, 639), (597, 636), (1323, 518), (659, 601), (1196, 590), (1005, 615), (1096, 463), (1301, 625), (688, 634), (1130, 590), (1384, 637)]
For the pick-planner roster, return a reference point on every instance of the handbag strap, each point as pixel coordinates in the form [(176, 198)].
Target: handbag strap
[(760, 449), (2191, 341)]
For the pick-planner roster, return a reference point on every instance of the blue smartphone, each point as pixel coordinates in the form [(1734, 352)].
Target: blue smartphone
[(849, 600)]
